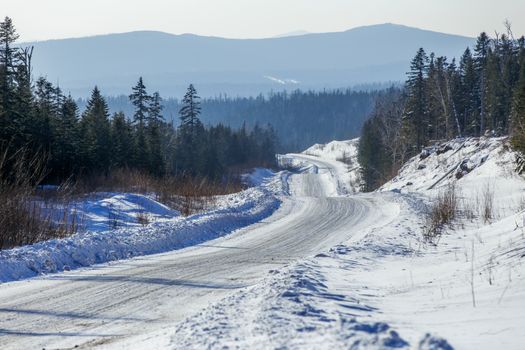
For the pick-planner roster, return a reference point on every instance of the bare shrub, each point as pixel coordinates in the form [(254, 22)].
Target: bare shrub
[(121, 180), (24, 217), (143, 218), (442, 212), (190, 195), (487, 203)]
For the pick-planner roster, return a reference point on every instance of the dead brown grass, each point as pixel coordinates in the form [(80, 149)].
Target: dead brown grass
[(187, 194), (24, 217), (442, 212)]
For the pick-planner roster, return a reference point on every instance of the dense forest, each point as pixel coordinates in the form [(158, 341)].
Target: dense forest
[(481, 95), (38, 121), (300, 118)]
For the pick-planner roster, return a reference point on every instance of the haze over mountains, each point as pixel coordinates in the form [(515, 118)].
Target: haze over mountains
[(168, 63)]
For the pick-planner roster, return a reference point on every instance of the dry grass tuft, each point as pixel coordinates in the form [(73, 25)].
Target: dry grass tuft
[(442, 212)]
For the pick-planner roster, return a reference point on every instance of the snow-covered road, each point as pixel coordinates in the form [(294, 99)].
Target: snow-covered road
[(108, 304)]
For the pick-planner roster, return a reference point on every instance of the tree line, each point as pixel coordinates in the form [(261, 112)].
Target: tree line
[(39, 118), (481, 95), (300, 118)]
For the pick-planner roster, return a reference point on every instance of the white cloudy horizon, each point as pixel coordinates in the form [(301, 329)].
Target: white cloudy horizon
[(55, 19)]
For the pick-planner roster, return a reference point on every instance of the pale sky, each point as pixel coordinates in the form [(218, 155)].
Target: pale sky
[(51, 19)]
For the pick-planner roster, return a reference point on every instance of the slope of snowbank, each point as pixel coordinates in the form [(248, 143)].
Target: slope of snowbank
[(469, 286), (169, 232)]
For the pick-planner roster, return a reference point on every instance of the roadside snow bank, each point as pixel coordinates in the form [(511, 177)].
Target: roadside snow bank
[(343, 159), (336, 160), (99, 246), (318, 303), (343, 151)]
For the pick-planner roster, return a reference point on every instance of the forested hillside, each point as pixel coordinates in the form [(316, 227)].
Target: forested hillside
[(481, 94), (300, 118), (39, 122)]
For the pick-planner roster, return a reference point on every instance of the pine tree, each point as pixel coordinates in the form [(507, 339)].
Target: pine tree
[(155, 125), (8, 63), (468, 95), (155, 109), (44, 114), (122, 141), (24, 100), (518, 117), (480, 60), (140, 99), (65, 149), (416, 116), (95, 128), (190, 132), (190, 111)]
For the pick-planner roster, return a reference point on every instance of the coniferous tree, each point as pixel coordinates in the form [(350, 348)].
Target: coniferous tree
[(45, 114), (416, 116), (24, 100), (155, 125), (190, 132), (39, 120), (96, 137), (481, 53), (8, 36), (65, 150), (141, 100), (468, 94), (518, 116), (122, 141)]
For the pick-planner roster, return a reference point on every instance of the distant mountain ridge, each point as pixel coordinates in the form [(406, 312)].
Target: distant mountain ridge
[(169, 62)]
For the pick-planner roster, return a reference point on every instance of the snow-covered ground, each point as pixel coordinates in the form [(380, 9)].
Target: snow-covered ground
[(110, 229), (339, 165), (389, 288), (329, 269)]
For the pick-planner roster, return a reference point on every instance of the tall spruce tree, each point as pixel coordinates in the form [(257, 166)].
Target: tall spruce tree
[(141, 100), (122, 142), (518, 116), (96, 137), (8, 65), (190, 142), (416, 116), (65, 154), (155, 126), (468, 94), (481, 54)]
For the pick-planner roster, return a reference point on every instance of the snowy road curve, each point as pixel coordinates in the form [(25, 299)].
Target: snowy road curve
[(106, 305)]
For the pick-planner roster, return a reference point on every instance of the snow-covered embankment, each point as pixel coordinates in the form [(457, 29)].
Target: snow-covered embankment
[(169, 231)]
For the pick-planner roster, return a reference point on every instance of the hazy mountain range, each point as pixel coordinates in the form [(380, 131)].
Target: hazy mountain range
[(168, 63)]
